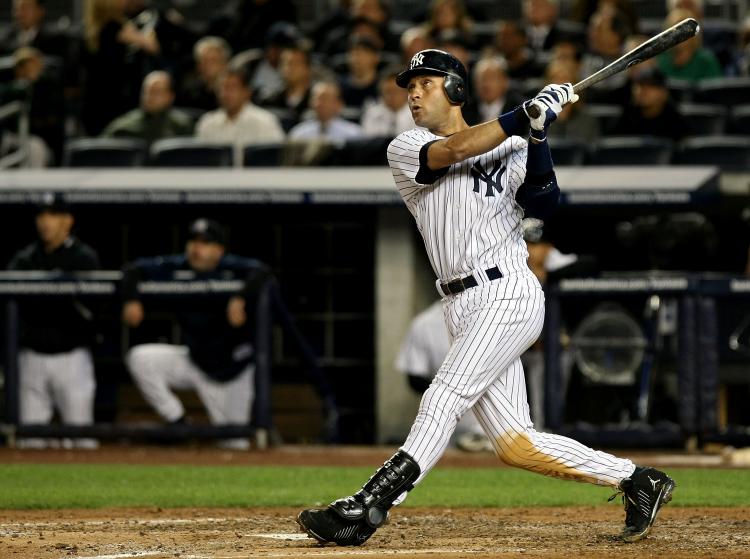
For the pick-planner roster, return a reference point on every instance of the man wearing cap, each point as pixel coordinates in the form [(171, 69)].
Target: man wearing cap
[(650, 111), (55, 366), (216, 357)]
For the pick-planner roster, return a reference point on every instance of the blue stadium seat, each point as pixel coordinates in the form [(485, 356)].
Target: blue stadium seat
[(104, 152), (723, 91), (705, 120), (739, 120), (190, 152), (264, 155), (567, 151), (631, 150), (681, 91), (362, 152), (731, 153)]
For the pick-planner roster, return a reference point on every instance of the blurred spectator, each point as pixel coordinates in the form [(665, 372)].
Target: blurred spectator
[(238, 121), (31, 84), (512, 44), (337, 17), (360, 84), (491, 95), (449, 16), (688, 60), (245, 23), (56, 371), (651, 111), (582, 10), (199, 88), (695, 6), (414, 40), (366, 18), (607, 32), (296, 73), (28, 30), (456, 44), (540, 18), (266, 77), (574, 121), (155, 118), (170, 31), (216, 359), (327, 104), (744, 55), (114, 66), (390, 115)]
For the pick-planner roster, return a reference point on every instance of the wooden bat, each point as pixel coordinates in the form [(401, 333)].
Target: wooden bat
[(657, 44)]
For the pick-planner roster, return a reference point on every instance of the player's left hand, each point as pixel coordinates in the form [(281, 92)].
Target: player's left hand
[(236, 315)]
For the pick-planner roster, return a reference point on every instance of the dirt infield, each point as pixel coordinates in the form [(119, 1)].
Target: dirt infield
[(434, 533), (415, 533)]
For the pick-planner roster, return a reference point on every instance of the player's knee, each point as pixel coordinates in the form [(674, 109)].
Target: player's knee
[(517, 448), (137, 360)]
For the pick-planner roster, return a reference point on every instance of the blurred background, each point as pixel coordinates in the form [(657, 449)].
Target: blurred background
[(272, 118)]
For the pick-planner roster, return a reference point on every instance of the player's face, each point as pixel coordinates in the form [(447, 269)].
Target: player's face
[(203, 256), (427, 101)]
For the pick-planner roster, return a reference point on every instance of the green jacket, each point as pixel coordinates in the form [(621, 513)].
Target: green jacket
[(150, 127), (702, 65)]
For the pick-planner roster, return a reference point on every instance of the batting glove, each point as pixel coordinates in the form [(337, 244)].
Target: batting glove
[(549, 101)]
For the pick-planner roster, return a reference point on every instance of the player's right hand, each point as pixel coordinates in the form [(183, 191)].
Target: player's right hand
[(132, 313)]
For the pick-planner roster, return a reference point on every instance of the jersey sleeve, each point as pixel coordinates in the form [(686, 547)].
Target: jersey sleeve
[(407, 156)]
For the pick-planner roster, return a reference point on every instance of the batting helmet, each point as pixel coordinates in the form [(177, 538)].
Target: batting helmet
[(433, 61)]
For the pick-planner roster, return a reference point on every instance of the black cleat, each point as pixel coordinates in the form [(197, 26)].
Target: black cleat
[(644, 493), (327, 526)]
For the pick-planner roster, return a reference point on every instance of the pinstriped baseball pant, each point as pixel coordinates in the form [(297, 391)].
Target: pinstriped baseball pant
[(491, 325)]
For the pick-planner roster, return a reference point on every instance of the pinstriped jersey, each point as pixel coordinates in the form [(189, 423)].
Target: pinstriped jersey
[(467, 213)]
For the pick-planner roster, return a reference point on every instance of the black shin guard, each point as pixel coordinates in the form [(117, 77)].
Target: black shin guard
[(373, 501)]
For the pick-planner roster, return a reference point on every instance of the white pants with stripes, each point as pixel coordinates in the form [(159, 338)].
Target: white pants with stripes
[(157, 369), (491, 325), (63, 381)]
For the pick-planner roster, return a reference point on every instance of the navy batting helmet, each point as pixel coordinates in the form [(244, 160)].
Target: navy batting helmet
[(441, 63)]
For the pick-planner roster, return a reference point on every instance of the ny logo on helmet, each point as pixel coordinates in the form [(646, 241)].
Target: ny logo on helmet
[(416, 60)]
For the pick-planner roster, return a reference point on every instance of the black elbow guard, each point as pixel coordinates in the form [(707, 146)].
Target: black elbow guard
[(539, 195)]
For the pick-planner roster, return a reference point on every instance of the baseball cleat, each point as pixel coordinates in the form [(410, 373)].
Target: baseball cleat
[(643, 494), (326, 526)]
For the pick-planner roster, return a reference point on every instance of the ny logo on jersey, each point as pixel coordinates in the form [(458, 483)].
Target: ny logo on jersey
[(479, 174), (416, 60)]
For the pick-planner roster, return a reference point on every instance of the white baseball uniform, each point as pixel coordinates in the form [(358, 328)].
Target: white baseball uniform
[(471, 226), (423, 350)]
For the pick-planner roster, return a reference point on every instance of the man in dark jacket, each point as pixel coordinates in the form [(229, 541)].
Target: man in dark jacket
[(55, 367), (216, 359)]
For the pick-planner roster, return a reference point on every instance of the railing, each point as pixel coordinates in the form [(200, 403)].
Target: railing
[(23, 284)]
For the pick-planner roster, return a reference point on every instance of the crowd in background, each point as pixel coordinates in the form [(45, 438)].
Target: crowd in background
[(255, 74)]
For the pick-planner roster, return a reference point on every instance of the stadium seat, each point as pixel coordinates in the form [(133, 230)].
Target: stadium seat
[(705, 120), (190, 152), (739, 120), (681, 91), (264, 155), (362, 152), (567, 151), (631, 150), (731, 153), (104, 152), (723, 91), (606, 115), (287, 117)]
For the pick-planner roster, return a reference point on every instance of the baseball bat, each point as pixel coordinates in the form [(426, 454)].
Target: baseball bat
[(657, 44)]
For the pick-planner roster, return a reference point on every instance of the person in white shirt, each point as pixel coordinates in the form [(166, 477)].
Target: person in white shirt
[(327, 104), (390, 115), (237, 121)]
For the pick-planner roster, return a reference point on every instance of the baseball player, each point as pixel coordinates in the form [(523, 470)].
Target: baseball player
[(468, 188), (216, 359), (56, 370)]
